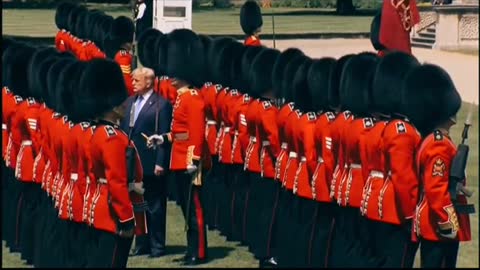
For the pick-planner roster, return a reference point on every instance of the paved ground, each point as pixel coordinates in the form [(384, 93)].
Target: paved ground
[(462, 68)]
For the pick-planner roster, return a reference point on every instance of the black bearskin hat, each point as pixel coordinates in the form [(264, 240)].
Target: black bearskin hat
[(186, 59), (356, 84), (207, 42), (279, 67), (389, 77), (90, 22), (72, 18), (375, 32), (160, 53), (261, 71), (289, 74), (145, 46), (53, 76), (62, 13), (247, 60), (41, 78), (80, 24), (34, 70), (213, 54), (121, 31), (250, 17), (224, 64), (236, 76), (301, 93), (102, 88), (15, 61), (334, 90), (319, 79), (67, 90), (429, 97), (7, 42)]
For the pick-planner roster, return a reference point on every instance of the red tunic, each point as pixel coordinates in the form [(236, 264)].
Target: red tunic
[(282, 157), (304, 145), (252, 154), (228, 116), (209, 94), (336, 130), (124, 60), (241, 137), (219, 118), (66, 188), (10, 110), (292, 161), (268, 131), (435, 210), (60, 40), (8, 103), (252, 41)]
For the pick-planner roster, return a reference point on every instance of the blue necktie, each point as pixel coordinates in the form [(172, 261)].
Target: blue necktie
[(137, 107)]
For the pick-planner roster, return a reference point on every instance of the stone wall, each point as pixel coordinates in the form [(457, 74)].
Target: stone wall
[(457, 27)]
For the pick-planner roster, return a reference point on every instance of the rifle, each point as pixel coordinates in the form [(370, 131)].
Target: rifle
[(457, 170)]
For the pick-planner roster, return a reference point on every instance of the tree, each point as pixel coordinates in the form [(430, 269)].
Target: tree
[(345, 7)]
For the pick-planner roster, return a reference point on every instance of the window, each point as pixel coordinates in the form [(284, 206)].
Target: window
[(174, 12)]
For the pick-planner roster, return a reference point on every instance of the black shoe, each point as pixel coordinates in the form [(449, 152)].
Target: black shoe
[(194, 261), (156, 254), (139, 252), (268, 263)]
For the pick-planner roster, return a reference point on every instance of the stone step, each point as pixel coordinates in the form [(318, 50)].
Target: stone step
[(426, 40), (431, 29), (422, 45), (427, 35)]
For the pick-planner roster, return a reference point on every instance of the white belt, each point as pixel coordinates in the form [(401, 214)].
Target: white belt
[(211, 122), (292, 155), (102, 180), (74, 177), (284, 146), (26, 142), (4, 126), (376, 174), (253, 139), (226, 129), (265, 143), (320, 160), (88, 179), (303, 159), (355, 166)]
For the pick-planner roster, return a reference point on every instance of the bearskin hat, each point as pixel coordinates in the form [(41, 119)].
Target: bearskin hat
[(334, 90), (319, 79), (207, 42), (247, 60), (356, 84), (16, 60), (7, 42), (429, 97), (53, 76), (121, 31), (90, 22), (301, 93), (261, 71), (61, 14), (146, 44), (279, 67), (186, 59), (289, 74), (102, 87), (34, 79), (224, 63), (389, 77), (41, 78), (67, 88), (72, 18), (160, 53), (216, 46), (236, 76), (250, 17), (80, 24), (375, 32)]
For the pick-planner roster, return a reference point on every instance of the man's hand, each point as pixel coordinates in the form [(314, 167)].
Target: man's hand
[(154, 140), (126, 234), (158, 170), (191, 168)]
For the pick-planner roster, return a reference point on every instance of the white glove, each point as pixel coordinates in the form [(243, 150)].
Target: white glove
[(450, 235), (154, 140), (191, 168), (136, 187)]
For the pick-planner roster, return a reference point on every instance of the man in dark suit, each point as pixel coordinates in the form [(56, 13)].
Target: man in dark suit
[(147, 113)]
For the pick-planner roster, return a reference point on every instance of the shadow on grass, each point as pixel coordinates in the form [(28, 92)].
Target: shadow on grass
[(214, 253), (315, 12)]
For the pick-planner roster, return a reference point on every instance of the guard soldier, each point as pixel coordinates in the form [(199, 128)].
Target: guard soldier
[(118, 47), (61, 16), (375, 33), (438, 223), (251, 22), (187, 136)]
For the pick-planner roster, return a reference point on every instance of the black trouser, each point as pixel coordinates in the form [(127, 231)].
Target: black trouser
[(29, 217), (192, 208), (208, 193), (156, 197), (237, 202), (438, 254), (398, 250), (225, 199), (287, 235), (253, 209), (110, 251), (322, 234)]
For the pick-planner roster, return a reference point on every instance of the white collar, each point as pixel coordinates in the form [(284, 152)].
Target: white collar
[(147, 95)]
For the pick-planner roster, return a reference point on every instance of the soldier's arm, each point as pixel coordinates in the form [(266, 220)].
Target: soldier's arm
[(401, 149), (196, 121), (243, 136), (327, 153), (309, 147), (124, 59), (269, 124), (114, 149), (164, 120)]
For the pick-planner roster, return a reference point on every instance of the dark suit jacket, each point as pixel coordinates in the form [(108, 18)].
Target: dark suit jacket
[(146, 124)]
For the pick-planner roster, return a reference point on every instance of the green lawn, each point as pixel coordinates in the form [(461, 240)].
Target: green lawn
[(228, 254), (40, 22)]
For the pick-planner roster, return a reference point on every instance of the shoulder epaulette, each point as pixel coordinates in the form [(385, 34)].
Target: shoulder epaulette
[(193, 92), (123, 52), (163, 78), (330, 116), (110, 131), (367, 122), (7, 90), (347, 114), (18, 99), (246, 98), (401, 128), (71, 124), (437, 135), (234, 92), (56, 115), (266, 104), (299, 113), (65, 119), (208, 84), (30, 101), (311, 116), (218, 87), (291, 105), (84, 125), (93, 128)]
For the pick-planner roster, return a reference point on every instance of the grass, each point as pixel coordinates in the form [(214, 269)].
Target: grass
[(229, 254), (40, 22)]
